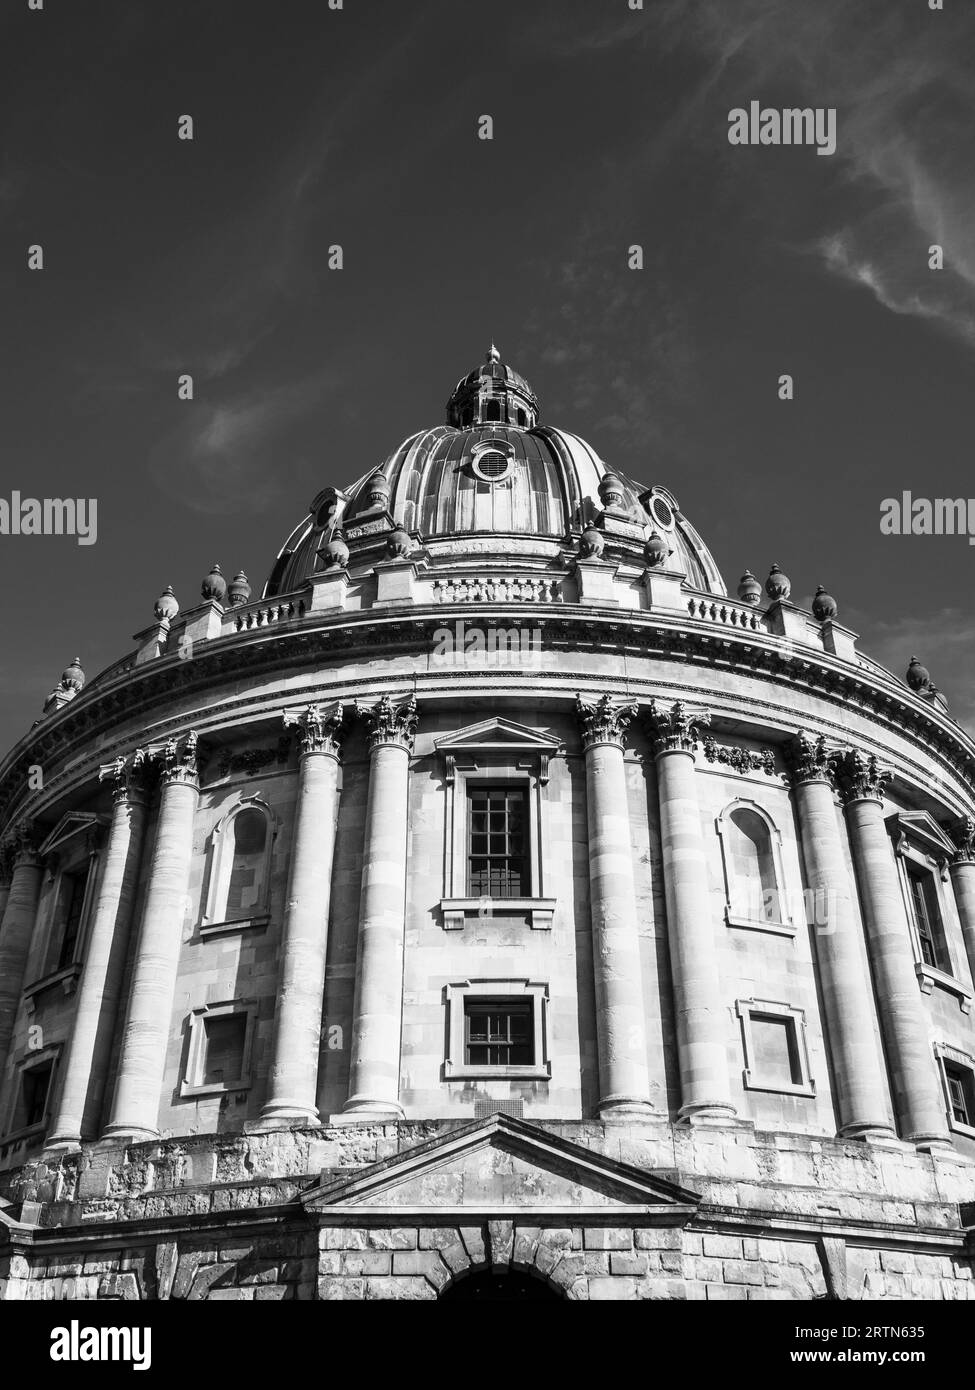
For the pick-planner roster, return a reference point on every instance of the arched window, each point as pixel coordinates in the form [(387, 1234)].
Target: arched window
[(250, 840), (755, 892), (493, 411), (240, 867)]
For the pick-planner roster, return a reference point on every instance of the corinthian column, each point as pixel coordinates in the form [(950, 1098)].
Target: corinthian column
[(963, 881), (860, 1091), (917, 1091), (16, 930), (375, 1066), (624, 1082), (700, 1005), (293, 1076), (88, 1054), (145, 1037)]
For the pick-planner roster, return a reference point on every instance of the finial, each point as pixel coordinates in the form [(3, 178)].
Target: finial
[(918, 677), (778, 585), (823, 605), (166, 606), (239, 590), (749, 588), (492, 354), (214, 587)]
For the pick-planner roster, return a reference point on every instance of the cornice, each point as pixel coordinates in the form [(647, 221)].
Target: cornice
[(98, 709)]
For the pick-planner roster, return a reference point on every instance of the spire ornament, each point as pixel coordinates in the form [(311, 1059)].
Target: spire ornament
[(675, 730), (605, 721)]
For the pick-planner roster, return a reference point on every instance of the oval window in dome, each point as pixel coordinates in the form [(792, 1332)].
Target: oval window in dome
[(492, 465), (661, 513)]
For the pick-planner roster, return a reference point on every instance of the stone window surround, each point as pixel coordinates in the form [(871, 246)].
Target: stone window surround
[(944, 1052), (512, 763), (221, 857), (455, 996), (31, 1059), (192, 1085), (915, 840), (65, 853), (746, 1009), (785, 925)]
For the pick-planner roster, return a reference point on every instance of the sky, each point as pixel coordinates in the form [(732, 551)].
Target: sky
[(358, 127)]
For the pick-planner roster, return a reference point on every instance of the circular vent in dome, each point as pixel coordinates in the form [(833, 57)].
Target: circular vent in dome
[(661, 513), (492, 465)]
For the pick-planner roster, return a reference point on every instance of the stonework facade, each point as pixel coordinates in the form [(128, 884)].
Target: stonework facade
[(493, 895)]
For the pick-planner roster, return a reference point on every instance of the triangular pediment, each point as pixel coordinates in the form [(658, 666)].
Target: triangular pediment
[(502, 1164), (924, 830), (497, 733), (74, 823)]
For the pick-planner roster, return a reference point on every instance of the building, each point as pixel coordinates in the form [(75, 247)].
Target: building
[(493, 906)]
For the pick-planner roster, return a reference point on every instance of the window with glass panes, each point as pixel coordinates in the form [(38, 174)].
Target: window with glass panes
[(927, 915), (498, 1033), (961, 1093), (498, 842), (74, 891)]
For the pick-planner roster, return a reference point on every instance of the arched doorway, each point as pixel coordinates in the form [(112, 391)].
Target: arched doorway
[(488, 1287)]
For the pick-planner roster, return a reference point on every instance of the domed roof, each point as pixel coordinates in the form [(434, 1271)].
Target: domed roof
[(492, 469)]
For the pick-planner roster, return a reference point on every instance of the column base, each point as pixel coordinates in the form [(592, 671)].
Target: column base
[(283, 1116), (714, 1113), (363, 1112), (128, 1134), (932, 1143), (625, 1109), (870, 1132), (60, 1144)]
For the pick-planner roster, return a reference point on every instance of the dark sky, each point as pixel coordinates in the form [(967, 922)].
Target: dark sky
[(358, 127)]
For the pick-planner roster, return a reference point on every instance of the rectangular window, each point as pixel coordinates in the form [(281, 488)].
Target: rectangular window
[(776, 1049), (73, 900), (961, 1093), (223, 1053), (927, 917), (499, 1033), (35, 1083), (498, 842)]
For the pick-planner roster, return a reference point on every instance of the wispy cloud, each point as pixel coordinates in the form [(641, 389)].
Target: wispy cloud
[(228, 456), (904, 89)]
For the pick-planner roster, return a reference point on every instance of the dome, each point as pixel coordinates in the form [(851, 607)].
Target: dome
[(508, 476)]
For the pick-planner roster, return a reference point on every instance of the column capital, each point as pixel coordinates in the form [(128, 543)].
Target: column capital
[(861, 778), (21, 845), (675, 730), (390, 723), (127, 777), (178, 761), (963, 834), (319, 728), (810, 759), (605, 721)]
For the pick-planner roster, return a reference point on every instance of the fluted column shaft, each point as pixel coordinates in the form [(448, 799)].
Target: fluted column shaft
[(917, 1092), (701, 1009), (293, 1076), (377, 1016), (16, 931), (624, 1082), (963, 882), (88, 1054), (860, 1090), (145, 1037)]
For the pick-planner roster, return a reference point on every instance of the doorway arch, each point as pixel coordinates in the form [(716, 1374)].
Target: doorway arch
[(512, 1286)]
